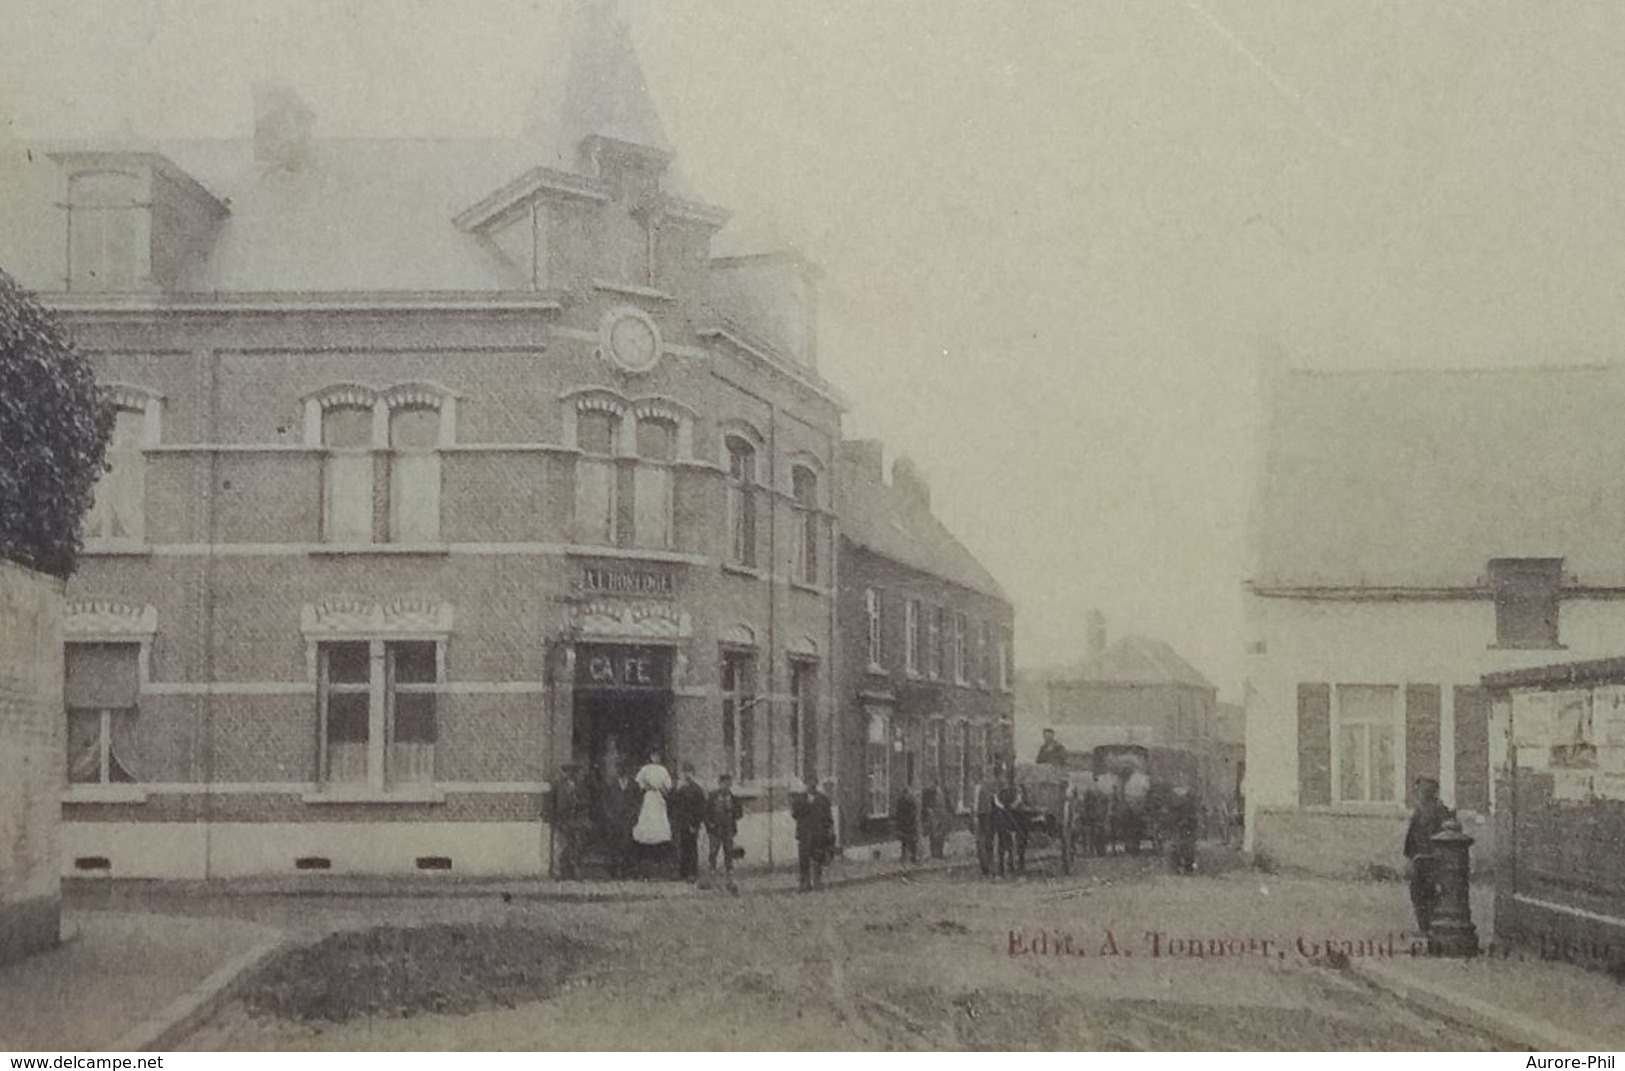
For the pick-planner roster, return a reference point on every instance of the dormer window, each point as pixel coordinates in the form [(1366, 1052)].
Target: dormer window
[(107, 222), (135, 222), (1526, 601)]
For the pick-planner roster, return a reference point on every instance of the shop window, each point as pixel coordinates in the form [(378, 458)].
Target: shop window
[(962, 763), (414, 475), (742, 501), (739, 714), (935, 747), (1526, 601), (878, 752), (1364, 722), (596, 434), (804, 488), (118, 509), (101, 687), (347, 474), (804, 720), (384, 692), (652, 486)]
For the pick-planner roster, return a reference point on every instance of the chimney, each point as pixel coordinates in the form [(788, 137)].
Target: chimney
[(1097, 632), (865, 458), (282, 127), (908, 481)]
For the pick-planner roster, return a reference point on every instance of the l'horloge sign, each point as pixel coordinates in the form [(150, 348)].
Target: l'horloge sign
[(625, 580)]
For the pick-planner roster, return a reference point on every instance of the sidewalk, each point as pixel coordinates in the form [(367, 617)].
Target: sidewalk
[(105, 894), (124, 982), (1511, 994)]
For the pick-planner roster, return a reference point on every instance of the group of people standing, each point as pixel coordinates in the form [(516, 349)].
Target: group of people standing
[(642, 819), (639, 819), (997, 804)]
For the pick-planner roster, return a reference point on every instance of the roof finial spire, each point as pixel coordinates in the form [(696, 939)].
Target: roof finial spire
[(604, 92)]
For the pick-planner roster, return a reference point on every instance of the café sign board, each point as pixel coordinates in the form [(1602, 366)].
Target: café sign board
[(623, 666)]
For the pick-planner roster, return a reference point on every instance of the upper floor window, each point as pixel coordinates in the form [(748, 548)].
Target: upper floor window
[(597, 432), (652, 483), (742, 485), (911, 637), (118, 509), (871, 606), (938, 639), (348, 471), (414, 475), (107, 220), (804, 488), (982, 645), (961, 650), (1006, 661), (100, 689), (1526, 601)]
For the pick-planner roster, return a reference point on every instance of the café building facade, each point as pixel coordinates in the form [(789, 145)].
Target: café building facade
[(437, 465)]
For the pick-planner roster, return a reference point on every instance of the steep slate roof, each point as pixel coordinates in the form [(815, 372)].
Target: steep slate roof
[(886, 521), (1416, 479), (1138, 660), (365, 214)]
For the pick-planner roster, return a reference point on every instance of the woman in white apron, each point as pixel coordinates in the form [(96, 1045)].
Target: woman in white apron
[(654, 826)]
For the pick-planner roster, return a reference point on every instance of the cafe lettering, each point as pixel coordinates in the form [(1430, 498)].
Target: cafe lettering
[(623, 667)]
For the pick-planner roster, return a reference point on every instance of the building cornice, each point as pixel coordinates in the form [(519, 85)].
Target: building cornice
[(764, 354), (277, 303)]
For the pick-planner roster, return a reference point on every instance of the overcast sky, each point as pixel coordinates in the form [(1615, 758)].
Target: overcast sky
[(1058, 236)]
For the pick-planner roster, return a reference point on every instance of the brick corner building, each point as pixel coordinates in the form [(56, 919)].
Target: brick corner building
[(438, 463)]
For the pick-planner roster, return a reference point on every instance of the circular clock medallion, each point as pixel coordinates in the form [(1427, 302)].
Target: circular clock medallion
[(632, 339)]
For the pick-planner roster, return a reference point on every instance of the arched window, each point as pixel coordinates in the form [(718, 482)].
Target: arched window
[(596, 433), (347, 473), (118, 511), (414, 475), (652, 486), (741, 501), (804, 487)]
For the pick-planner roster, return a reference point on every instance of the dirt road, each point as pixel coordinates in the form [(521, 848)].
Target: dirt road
[(1122, 957)]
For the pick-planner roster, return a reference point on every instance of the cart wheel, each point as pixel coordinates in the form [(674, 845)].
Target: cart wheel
[(1066, 837)]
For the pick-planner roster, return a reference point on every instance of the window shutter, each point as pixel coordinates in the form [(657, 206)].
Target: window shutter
[(1472, 749), (1421, 734), (1314, 744)]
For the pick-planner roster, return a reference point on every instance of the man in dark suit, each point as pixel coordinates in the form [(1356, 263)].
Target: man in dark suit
[(815, 834), (1426, 820), (1051, 752), (572, 821), (905, 816), (723, 810), (687, 809), (622, 801)]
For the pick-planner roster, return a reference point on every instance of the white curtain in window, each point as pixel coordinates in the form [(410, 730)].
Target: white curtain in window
[(652, 497)]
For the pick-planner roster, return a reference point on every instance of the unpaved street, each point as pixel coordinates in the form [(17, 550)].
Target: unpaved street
[(1123, 957)]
